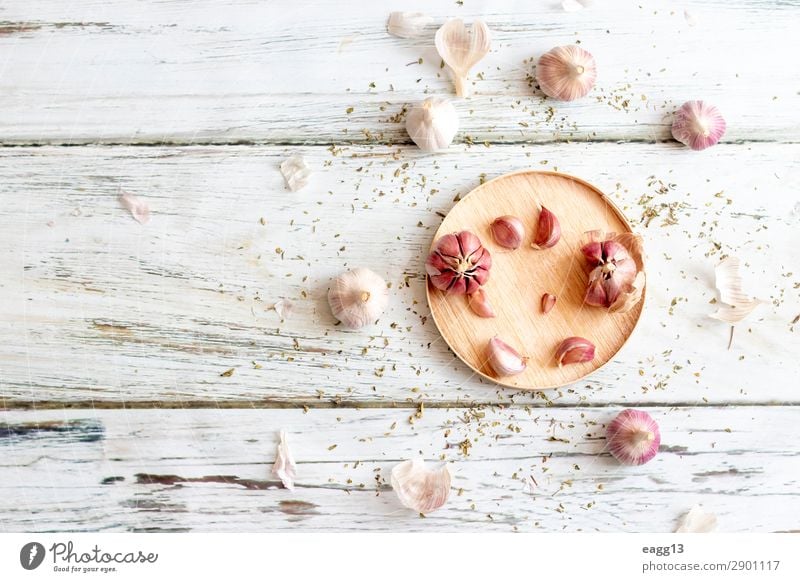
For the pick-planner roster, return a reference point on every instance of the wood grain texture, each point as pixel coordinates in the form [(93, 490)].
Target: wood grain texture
[(208, 470), (97, 308), (287, 72)]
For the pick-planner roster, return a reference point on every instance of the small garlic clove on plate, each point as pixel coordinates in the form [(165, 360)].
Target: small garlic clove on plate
[(548, 230), (408, 24), (296, 172), (633, 437), (433, 124), (419, 488), (480, 305), (566, 73), (358, 297), (461, 49), (574, 350), (508, 231), (548, 302), (698, 125), (459, 263), (503, 359)]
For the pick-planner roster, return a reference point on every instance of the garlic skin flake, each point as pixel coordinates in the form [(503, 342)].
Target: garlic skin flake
[(408, 24), (285, 468), (566, 73), (698, 125), (358, 297), (433, 124), (633, 437), (296, 172), (737, 304), (697, 520), (418, 488), (503, 359), (138, 207), (461, 50)]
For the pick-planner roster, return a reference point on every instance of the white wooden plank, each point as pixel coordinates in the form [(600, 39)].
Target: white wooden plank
[(97, 308), (282, 71), (209, 470)]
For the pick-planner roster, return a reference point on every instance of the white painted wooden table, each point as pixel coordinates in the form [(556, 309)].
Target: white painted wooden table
[(113, 335)]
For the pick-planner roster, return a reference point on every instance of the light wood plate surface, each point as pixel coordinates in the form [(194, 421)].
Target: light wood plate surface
[(520, 277)]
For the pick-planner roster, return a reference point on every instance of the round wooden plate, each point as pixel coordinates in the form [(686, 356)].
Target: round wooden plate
[(519, 278)]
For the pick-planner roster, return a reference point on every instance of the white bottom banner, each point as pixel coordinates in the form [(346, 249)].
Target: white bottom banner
[(400, 557)]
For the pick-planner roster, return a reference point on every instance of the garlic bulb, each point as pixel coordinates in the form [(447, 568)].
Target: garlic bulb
[(503, 359), (423, 490), (566, 72), (461, 50), (433, 124), (358, 297), (633, 437), (698, 125), (616, 279), (408, 24), (697, 520), (459, 263)]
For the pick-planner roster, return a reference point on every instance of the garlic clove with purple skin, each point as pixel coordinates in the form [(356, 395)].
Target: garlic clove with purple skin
[(508, 231), (633, 437), (503, 359), (698, 125), (574, 350), (548, 230), (548, 302), (479, 304), (566, 72)]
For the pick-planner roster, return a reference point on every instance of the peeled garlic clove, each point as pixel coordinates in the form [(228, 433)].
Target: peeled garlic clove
[(548, 302), (408, 24), (698, 125), (503, 359), (574, 350), (508, 231), (480, 305), (433, 124), (461, 50), (296, 172), (459, 264), (548, 230), (423, 490), (566, 72), (358, 297), (633, 437)]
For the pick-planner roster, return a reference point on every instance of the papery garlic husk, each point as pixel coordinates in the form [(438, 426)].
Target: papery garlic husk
[(548, 230), (697, 520), (503, 359), (508, 231), (633, 437), (358, 297), (566, 72), (574, 350), (296, 172), (616, 279), (698, 125), (548, 302), (433, 124), (418, 488), (461, 50), (138, 207), (285, 468), (408, 24), (736, 305), (459, 263), (479, 304)]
